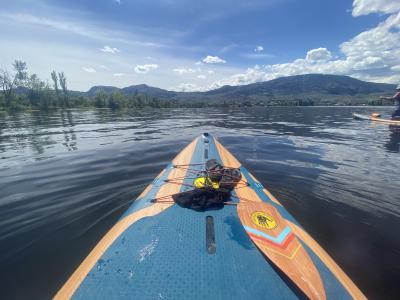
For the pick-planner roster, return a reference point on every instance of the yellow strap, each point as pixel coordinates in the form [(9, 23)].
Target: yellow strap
[(202, 182)]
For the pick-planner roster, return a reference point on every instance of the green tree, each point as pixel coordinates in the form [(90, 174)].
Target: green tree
[(101, 100), (39, 94), (63, 84), (54, 77), (117, 101), (10, 81)]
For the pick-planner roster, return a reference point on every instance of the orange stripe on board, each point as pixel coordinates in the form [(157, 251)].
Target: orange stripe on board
[(328, 261), (227, 158), (185, 156), (283, 246), (245, 192), (149, 187), (256, 237), (161, 173), (145, 191), (73, 283), (385, 121), (182, 158)]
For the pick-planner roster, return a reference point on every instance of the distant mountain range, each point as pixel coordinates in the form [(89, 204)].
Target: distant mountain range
[(134, 89), (321, 89)]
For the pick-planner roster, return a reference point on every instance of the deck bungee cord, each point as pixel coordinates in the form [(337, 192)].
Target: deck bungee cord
[(211, 186)]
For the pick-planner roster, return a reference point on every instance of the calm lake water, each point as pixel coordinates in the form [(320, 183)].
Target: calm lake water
[(66, 177)]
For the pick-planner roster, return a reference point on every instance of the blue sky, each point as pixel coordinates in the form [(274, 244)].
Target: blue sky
[(201, 45)]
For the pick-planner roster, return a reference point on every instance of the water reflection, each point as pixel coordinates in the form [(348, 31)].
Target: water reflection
[(45, 132), (69, 134), (393, 144)]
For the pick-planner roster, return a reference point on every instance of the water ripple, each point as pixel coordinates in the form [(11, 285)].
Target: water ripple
[(66, 177)]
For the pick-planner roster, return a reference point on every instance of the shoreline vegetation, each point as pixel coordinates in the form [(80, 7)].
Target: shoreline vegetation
[(21, 91), (24, 91)]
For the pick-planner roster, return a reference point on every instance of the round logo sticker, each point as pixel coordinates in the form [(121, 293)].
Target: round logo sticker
[(263, 220)]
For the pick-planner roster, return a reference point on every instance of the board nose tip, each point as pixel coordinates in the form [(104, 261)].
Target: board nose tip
[(206, 136)]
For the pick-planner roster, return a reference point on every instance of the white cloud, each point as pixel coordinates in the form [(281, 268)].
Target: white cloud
[(89, 69), (318, 54), (395, 68), (81, 28), (251, 75), (198, 62), (257, 55), (189, 87), (375, 48), (108, 49), (118, 74), (368, 63), (210, 72), (117, 1), (182, 71), (143, 69), (76, 40), (259, 49), (103, 67), (201, 76), (365, 7), (372, 55), (213, 60), (395, 78)]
